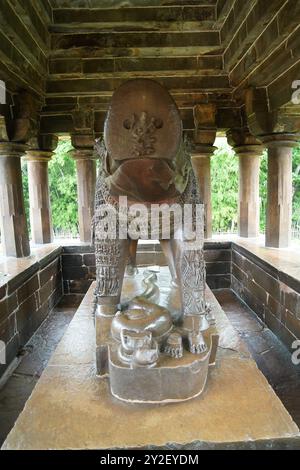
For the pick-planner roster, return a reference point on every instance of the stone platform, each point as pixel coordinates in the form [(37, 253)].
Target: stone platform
[(70, 408)]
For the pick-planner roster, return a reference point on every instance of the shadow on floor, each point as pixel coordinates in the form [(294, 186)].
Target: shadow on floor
[(35, 357), (271, 356)]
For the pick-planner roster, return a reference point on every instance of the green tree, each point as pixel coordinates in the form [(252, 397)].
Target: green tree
[(224, 177), (296, 186), (63, 190), (263, 175)]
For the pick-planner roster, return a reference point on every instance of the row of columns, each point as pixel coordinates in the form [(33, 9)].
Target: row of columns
[(279, 186), (13, 223)]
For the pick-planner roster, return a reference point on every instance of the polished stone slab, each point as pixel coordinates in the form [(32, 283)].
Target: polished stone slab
[(71, 408)]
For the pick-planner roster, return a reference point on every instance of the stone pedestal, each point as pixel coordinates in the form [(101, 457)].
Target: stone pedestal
[(200, 158), (40, 210), (14, 230), (71, 408), (86, 184), (279, 202), (249, 164)]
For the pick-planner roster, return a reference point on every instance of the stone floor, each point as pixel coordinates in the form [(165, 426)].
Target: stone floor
[(36, 354), (271, 356)]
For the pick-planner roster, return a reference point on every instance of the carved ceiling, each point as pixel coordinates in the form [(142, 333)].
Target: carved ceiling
[(74, 53)]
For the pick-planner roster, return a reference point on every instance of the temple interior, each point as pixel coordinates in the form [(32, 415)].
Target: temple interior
[(232, 68)]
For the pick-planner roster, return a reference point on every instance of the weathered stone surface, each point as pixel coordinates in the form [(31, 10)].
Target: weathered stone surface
[(49, 271), (28, 288)]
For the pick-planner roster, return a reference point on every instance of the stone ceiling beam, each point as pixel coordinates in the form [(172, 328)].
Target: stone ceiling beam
[(157, 17), (80, 86), (21, 38), (78, 4), (32, 22), (87, 65), (260, 25), (272, 65), (154, 39)]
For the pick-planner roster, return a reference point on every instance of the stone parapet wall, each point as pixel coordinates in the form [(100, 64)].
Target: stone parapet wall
[(27, 298), (79, 269), (25, 302), (273, 295)]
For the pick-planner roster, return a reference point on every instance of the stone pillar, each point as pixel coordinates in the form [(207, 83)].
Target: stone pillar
[(14, 230), (200, 158), (279, 201), (248, 149), (249, 165), (39, 198), (204, 137), (86, 184)]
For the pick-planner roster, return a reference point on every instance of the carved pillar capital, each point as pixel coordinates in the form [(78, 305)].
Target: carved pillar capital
[(83, 154), (205, 124), (12, 149), (83, 141), (279, 139), (38, 156), (202, 150)]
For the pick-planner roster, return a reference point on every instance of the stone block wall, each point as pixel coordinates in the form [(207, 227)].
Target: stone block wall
[(25, 302), (79, 270), (271, 294), (27, 299)]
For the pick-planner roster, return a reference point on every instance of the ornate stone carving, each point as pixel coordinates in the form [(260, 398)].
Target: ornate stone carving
[(142, 129), (149, 354)]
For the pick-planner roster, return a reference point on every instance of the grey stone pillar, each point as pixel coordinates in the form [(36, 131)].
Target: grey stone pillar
[(279, 201), (14, 230), (86, 184), (200, 158), (249, 165), (39, 197)]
